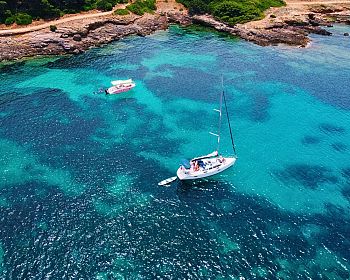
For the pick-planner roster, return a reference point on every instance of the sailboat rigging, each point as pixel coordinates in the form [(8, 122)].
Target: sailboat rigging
[(210, 164)]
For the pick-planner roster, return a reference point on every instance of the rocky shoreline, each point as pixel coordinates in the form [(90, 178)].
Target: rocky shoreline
[(285, 25), (77, 38), (278, 27)]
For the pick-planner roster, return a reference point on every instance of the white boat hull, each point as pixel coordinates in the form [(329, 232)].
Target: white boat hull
[(120, 88), (212, 167)]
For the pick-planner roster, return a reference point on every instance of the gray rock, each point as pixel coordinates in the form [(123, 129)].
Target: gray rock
[(77, 37), (66, 46), (346, 34)]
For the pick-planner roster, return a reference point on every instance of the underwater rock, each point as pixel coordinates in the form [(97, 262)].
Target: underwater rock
[(340, 147), (331, 129), (310, 176)]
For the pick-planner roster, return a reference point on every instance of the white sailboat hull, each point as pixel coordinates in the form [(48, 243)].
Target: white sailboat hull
[(212, 167)]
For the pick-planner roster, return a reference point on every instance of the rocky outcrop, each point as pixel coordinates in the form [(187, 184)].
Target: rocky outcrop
[(77, 38), (290, 32), (178, 18)]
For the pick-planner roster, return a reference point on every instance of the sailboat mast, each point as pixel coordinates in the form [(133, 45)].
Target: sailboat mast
[(220, 118), (229, 124)]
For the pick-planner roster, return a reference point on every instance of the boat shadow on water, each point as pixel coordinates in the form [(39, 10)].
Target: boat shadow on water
[(201, 185), (203, 193)]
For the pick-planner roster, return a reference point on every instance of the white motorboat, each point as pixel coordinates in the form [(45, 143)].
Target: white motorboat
[(120, 86)]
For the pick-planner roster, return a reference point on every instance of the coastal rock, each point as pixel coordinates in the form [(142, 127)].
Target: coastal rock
[(294, 22), (77, 37), (317, 30), (346, 34), (66, 47), (326, 9), (278, 33), (69, 37), (178, 18)]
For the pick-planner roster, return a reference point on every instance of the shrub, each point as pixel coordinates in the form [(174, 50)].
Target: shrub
[(10, 20), (231, 11), (108, 7), (23, 19), (53, 28), (4, 15), (198, 7), (104, 5), (121, 12), (140, 7), (88, 7), (51, 13)]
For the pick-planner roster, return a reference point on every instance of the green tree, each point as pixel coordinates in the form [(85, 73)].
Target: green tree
[(231, 11), (198, 7), (140, 7), (121, 12), (23, 19), (10, 20), (105, 5), (3, 8)]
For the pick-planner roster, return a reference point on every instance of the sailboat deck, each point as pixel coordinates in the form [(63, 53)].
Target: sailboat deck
[(206, 167)]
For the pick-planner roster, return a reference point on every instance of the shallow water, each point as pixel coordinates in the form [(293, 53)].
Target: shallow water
[(79, 170)]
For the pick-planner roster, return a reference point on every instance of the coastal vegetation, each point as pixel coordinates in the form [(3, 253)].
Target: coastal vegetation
[(231, 11), (24, 11), (121, 12), (139, 7), (53, 28)]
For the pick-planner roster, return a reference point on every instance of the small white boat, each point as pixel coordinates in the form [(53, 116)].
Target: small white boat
[(167, 182), (120, 86), (211, 164)]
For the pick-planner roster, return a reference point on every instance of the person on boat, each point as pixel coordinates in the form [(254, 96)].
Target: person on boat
[(221, 159), (196, 166)]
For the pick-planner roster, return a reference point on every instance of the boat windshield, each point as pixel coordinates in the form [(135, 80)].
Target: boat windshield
[(186, 163)]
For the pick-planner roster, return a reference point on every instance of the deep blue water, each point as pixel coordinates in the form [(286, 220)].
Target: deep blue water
[(78, 193)]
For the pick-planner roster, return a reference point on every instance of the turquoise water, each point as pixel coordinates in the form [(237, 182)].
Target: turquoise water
[(79, 170)]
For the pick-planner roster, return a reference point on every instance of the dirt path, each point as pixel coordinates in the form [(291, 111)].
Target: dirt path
[(162, 6), (27, 29), (326, 2)]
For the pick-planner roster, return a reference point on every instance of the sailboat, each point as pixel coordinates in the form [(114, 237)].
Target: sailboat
[(210, 164)]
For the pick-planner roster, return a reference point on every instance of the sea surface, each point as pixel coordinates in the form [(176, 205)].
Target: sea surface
[(79, 170)]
